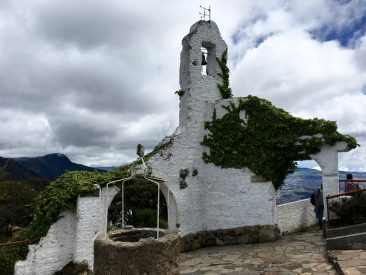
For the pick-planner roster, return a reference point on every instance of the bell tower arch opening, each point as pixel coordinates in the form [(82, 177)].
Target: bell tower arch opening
[(204, 61), (207, 59), (208, 50)]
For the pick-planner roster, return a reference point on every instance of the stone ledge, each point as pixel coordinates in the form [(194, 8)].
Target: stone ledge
[(238, 235), (348, 242), (346, 230)]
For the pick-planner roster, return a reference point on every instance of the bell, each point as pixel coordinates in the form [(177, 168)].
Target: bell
[(204, 62)]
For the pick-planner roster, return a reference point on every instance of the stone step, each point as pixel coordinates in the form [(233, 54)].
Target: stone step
[(347, 230), (347, 242)]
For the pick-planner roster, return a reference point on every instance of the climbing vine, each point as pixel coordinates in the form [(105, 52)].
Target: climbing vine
[(268, 140), (61, 195), (224, 88)]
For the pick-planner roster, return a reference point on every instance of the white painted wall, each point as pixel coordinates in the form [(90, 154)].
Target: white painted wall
[(71, 238), (90, 222), (295, 216), (53, 251), (216, 198), (233, 200), (220, 198), (327, 159)]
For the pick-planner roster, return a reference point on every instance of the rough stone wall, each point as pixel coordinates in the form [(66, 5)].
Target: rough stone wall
[(239, 235), (147, 256), (71, 238), (295, 216)]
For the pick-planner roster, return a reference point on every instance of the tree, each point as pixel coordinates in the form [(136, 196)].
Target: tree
[(15, 198), (140, 202), (2, 173)]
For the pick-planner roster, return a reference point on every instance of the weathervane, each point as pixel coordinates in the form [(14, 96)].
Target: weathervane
[(206, 12)]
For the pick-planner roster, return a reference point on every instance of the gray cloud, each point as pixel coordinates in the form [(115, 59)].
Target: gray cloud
[(92, 79)]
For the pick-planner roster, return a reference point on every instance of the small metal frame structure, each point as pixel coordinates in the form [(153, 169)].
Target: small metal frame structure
[(135, 175), (357, 184), (205, 12)]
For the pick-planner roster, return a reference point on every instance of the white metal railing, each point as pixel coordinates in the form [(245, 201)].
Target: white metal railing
[(147, 178)]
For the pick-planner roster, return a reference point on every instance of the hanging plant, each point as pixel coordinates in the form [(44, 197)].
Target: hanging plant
[(269, 141)]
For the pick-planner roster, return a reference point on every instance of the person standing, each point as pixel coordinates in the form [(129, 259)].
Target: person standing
[(350, 185), (319, 205)]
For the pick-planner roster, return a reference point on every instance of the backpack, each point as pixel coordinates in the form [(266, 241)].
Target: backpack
[(312, 198)]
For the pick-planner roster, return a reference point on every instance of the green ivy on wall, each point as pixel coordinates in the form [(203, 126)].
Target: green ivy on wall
[(61, 195), (269, 141), (224, 88)]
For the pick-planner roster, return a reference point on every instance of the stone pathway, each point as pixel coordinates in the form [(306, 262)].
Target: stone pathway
[(299, 253), (349, 262)]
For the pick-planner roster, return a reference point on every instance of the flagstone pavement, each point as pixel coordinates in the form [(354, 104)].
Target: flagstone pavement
[(349, 262), (299, 253)]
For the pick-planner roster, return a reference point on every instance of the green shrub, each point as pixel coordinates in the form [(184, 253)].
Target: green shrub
[(9, 255), (145, 217), (350, 211)]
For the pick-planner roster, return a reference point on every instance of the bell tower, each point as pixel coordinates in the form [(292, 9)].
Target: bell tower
[(198, 74)]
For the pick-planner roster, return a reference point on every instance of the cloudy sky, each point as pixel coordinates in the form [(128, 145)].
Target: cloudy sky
[(92, 78)]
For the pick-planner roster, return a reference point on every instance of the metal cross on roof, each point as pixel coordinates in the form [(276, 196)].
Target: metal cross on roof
[(206, 12)]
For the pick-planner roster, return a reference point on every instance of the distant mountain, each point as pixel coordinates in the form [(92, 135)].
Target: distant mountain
[(17, 172), (297, 186), (302, 183), (52, 166)]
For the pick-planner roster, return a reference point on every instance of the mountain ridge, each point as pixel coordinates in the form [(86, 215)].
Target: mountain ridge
[(297, 186), (17, 172), (49, 166), (303, 181), (53, 165)]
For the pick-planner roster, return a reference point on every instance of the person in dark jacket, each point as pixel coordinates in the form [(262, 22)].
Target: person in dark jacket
[(319, 205)]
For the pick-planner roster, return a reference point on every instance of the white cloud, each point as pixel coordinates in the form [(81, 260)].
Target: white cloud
[(293, 70), (309, 79), (19, 130), (343, 168)]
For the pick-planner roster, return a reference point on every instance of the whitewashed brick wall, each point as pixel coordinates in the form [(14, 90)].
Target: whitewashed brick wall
[(294, 216), (71, 238)]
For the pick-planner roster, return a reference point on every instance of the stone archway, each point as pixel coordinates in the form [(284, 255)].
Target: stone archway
[(172, 207), (167, 203)]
